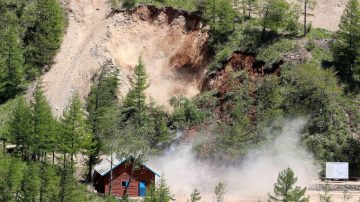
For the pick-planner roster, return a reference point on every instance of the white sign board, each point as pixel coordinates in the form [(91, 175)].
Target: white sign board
[(337, 170)]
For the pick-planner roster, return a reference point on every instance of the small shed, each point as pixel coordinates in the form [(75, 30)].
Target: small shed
[(141, 179)]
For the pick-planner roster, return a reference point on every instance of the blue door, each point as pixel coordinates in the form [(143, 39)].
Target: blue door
[(142, 188)]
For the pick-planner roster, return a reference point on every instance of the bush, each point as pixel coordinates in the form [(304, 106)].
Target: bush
[(275, 52)]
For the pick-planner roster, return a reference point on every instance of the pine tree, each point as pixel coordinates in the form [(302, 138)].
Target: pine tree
[(135, 101), (13, 180), (151, 195), (30, 184), (74, 135), (20, 125), (220, 190), (69, 188), (195, 196), (103, 95), (284, 190), (346, 48), (11, 64), (276, 15), (48, 30), (44, 125), (163, 191), (49, 183)]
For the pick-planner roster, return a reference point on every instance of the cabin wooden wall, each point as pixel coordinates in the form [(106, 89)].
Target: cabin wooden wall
[(122, 173)]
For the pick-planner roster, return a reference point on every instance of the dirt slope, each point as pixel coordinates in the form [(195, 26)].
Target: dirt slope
[(169, 42), (327, 13)]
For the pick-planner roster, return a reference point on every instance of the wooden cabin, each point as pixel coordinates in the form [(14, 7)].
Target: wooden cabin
[(142, 177)]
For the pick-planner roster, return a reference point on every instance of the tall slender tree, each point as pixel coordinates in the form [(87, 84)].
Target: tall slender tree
[(103, 96), (11, 63), (308, 6), (74, 135), (20, 125), (346, 48), (135, 101), (44, 139), (30, 184)]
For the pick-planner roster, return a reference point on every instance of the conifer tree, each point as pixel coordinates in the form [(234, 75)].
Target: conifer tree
[(69, 188), (11, 64), (44, 125), (284, 190), (47, 34), (13, 180), (74, 135), (103, 95), (219, 191), (346, 48), (163, 191), (49, 183), (195, 196), (135, 101), (275, 15), (20, 125), (30, 184)]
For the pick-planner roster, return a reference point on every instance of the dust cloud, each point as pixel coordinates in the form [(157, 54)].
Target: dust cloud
[(251, 180)]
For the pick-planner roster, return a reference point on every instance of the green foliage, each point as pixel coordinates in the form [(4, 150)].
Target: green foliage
[(318, 33), (5, 114), (346, 48), (277, 15), (74, 135), (308, 6), (284, 189), (43, 138), (219, 191), (20, 123), (186, 113), (275, 52), (11, 64), (134, 103), (30, 36), (102, 97), (159, 193), (195, 196), (30, 184), (325, 197), (49, 181), (219, 14), (11, 176), (46, 37)]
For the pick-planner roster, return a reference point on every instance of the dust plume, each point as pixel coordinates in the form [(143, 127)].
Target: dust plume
[(251, 180)]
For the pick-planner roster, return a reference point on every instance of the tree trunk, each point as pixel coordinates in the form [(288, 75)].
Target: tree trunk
[(53, 157), (62, 184), (4, 146), (305, 16), (111, 173), (41, 184), (128, 184), (91, 162)]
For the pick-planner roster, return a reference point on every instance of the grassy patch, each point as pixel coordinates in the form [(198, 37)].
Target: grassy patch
[(317, 33)]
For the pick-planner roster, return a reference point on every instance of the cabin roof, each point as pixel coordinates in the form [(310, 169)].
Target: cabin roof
[(103, 168)]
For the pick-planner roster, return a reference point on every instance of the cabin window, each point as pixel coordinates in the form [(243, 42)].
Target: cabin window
[(124, 183)]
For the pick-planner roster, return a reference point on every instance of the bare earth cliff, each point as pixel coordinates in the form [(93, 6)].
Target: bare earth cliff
[(169, 41)]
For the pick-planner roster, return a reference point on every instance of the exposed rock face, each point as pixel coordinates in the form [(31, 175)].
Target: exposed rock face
[(169, 41)]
